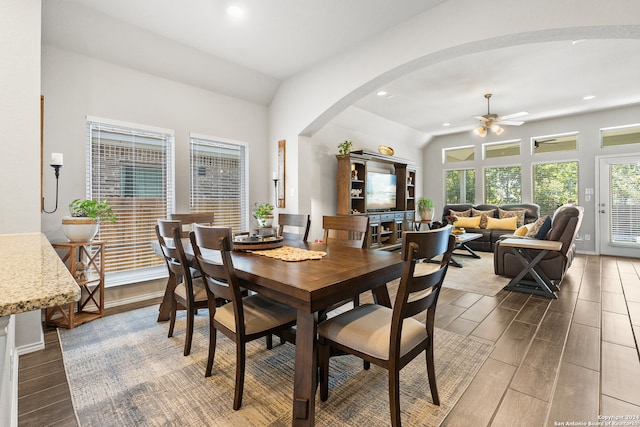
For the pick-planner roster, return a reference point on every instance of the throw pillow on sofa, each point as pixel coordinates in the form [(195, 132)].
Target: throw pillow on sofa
[(468, 222), (483, 216), (502, 224), (524, 230), (508, 214), (460, 214), (538, 227)]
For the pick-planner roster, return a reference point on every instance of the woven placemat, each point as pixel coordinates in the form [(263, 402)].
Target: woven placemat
[(287, 253)]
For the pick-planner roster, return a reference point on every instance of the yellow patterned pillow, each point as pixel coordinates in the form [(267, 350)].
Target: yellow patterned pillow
[(508, 214), (502, 224), (483, 216), (521, 231), (468, 222)]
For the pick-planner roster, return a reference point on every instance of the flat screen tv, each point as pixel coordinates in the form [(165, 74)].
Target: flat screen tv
[(381, 191)]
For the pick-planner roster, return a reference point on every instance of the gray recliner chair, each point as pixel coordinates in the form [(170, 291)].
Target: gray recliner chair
[(565, 225)]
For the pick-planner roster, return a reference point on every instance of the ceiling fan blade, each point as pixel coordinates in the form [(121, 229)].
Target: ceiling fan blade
[(511, 122), (481, 118), (514, 115)]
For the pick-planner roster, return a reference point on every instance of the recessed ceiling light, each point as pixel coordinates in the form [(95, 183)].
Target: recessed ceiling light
[(446, 124), (235, 11), (578, 41), (381, 93), (588, 97)]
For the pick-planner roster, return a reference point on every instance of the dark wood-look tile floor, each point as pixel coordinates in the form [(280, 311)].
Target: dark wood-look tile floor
[(554, 361)]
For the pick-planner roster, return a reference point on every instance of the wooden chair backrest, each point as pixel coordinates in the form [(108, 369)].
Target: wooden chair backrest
[(169, 236), (300, 221), (346, 230), (187, 219), (417, 294), (212, 250)]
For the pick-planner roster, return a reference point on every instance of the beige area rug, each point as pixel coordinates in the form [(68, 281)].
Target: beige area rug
[(476, 275), (124, 371)]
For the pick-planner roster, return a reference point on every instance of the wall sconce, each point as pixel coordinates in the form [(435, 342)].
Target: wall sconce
[(275, 185), (56, 164)]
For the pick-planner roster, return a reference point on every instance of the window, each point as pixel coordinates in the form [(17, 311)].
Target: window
[(459, 154), (502, 185), (219, 181), (132, 168), (555, 143), (555, 184), (460, 186), (501, 149), (625, 202), (622, 135)]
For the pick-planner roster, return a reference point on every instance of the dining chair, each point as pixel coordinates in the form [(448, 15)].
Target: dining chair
[(187, 219), (346, 230), (242, 319), (299, 223), (189, 293), (391, 338)]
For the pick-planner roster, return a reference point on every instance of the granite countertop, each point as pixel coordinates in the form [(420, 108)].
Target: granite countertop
[(32, 275)]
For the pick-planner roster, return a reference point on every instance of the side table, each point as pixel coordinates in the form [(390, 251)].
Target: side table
[(85, 261), (541, 285)]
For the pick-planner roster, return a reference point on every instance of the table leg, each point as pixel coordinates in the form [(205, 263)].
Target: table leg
[(468, 249), (306, 375)]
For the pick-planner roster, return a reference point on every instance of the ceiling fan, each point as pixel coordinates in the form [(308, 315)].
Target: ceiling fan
[(490, 121)]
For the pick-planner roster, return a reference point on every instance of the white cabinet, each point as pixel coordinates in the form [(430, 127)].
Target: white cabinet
[(9, 372)]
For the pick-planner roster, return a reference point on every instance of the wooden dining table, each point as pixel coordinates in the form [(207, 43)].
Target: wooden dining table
[(311, 286)]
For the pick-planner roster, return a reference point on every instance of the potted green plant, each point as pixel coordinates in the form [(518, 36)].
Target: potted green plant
[(263, 213), (344, 148), (425, 208), (83, 224)]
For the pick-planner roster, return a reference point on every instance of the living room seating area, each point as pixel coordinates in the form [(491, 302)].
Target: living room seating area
[(492, 221)]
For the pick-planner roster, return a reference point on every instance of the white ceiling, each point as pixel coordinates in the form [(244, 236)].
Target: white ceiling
[(278, 38)]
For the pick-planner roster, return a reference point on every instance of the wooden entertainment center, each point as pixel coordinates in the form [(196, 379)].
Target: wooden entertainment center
[(385, 226)]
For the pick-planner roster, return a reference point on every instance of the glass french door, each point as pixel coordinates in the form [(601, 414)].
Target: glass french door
[(618, 207)]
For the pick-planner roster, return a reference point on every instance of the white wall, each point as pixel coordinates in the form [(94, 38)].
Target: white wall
[(76, 86), (20, 113), (308, 101), (588, 127)]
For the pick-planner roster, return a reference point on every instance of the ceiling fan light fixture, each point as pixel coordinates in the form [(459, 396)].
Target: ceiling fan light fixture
[(497, 129), (481, 131)]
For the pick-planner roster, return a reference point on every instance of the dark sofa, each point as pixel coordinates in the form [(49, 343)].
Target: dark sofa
[(565, 225), (489, 237)]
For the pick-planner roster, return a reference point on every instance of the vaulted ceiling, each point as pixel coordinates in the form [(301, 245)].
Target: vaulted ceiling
[(196, 42)]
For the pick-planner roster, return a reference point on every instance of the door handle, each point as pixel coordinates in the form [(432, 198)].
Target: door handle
[(602, 211)]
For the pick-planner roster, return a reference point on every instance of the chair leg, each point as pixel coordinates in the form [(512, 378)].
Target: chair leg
[(431, 372), (212, 349), (240, 360), (394, 397), (189, 333), (366, 365), (269, 341), (172, 319), (324, 351)]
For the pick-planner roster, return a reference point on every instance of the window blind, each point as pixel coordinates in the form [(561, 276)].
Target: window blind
[(132, 169), (502, 185), (624, 182), (219, 181)]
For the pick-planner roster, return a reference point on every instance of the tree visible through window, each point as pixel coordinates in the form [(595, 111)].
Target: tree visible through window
[(460, 186), (502, 185), (555, 184)]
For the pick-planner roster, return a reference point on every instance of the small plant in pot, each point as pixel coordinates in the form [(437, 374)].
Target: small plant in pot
[(263, 213), (345, 148), (425, 208), (85, 218)]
